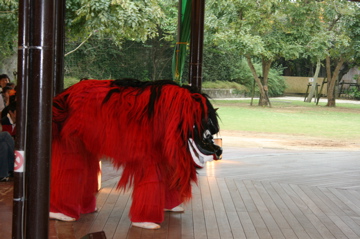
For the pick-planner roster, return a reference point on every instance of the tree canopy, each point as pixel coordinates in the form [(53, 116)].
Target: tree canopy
[(9, 27), (264, 32)]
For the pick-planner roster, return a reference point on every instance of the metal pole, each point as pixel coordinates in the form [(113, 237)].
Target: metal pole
[(196, 43), (59, 46), (21, 111), (38, 147)]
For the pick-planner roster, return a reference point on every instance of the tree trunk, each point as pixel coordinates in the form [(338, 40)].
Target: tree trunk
[(332, 81), (262, 101), (314, 84), (265, 70)]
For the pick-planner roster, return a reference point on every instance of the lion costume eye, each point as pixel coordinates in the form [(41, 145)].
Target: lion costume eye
[(207, 135)]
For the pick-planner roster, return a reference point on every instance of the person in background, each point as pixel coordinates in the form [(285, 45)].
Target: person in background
[(7, 157), (8, 122), (9, 97), (7, 134), (6, 94), (4, 79), (11, 85)]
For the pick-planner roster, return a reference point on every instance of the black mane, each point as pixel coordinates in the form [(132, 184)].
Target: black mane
[(155, 89), (140, 86)]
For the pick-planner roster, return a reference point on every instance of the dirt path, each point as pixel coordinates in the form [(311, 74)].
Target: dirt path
[(283, 141)]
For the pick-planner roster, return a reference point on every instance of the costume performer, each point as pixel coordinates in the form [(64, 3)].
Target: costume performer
[(157, 132)]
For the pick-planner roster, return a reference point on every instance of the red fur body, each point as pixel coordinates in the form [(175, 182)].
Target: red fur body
[(151, 148)]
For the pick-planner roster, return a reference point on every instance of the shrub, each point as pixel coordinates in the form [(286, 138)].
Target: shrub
[(353, 93), (275, 80)]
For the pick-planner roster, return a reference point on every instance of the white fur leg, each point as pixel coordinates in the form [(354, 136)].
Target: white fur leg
[(146, 225), (61, 217), (175, 209)]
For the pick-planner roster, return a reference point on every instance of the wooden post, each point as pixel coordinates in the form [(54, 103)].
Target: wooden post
[(196, 43), (21, 112), (38, 133), (59, 46)]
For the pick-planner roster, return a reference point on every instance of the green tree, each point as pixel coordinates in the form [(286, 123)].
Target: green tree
[(258, 30), (119, 20), (340, 22), (305, 22), (101, 58), (9, 29), (140, 49)]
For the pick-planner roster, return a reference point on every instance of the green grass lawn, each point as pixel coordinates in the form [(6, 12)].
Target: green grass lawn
[(291, 117)]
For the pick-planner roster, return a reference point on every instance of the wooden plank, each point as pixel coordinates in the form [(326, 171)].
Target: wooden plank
[(263, 210), (118, 211), (134, 233), (336, 202), (330, 212), (352, 223), (248, 230), (354, 197), (6, 208), (234, 193), (174, 228), (271, 195), (288, 209), (248, 225), (230, 210), (219, 208), (300, 208), (344, 228), (84, 225), (269, 221), (66, 232), (106, 209), (253, 212), (326, 200), (275, 212), (345, 200), (212, 228), (187, 222), (124, 226), (198, 213), (320, 212)]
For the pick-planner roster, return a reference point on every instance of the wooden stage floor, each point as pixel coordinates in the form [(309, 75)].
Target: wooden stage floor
[(251, 193)]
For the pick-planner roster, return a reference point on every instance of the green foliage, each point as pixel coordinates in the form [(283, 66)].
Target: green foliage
[(119, 19), (353, 93), (9, 27), (242, 75), (135, 38), (258, 28), (276, 81), (69, 81), (223, 85), (220, 64), (340, 20), (103, 59), (354, 35)]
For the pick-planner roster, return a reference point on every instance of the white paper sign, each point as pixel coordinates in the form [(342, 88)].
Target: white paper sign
[(19, 161)]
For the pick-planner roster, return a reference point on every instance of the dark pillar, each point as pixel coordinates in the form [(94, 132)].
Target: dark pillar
[(196, 43), (59, 46), (38, 134), (21, 112)]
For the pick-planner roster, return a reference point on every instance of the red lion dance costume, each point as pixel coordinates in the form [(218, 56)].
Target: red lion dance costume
[(157, 132)]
